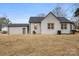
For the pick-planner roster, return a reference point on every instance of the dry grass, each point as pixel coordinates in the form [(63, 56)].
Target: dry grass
[(39, 45)]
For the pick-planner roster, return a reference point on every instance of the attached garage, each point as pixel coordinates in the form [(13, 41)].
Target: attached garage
[(18, 29)]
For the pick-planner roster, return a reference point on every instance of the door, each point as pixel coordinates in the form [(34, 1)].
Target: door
[(24, 30)]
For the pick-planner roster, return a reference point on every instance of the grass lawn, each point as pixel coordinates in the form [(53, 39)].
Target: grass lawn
[(43, 45)]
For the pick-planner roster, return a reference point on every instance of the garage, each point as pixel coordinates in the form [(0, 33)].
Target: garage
[(18, 29)]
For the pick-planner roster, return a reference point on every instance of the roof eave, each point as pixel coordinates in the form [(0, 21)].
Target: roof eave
[(66, 22)]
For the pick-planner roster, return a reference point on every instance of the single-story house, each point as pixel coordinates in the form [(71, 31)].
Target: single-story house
[(50, 24)]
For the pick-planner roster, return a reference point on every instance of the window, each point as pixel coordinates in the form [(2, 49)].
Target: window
[(50, 26), (63, 26), (35, 26)]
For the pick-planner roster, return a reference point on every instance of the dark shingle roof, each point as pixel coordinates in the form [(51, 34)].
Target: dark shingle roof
[(36, 19), (18, 25), (39, 19), (62, 19)]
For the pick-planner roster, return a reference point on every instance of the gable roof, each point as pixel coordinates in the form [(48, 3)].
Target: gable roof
[(36, 19), (18, 25), (39, 19)]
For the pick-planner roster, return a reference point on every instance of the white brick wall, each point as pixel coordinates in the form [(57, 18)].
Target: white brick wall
[(38, 30), (16, 30)]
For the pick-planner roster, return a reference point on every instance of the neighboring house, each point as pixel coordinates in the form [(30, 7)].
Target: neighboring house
[(18, 28), (4, 27), (50, 25)]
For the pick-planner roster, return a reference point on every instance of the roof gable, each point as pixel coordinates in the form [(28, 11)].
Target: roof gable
[(50, 13), (60, 19)]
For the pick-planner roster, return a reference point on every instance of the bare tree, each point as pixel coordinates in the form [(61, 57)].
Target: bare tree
[(41, 15), (59, 12)]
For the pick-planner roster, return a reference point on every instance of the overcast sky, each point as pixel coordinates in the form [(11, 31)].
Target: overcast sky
[(20, 12)]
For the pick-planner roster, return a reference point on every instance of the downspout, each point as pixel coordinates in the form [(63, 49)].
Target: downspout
[(40, 28)]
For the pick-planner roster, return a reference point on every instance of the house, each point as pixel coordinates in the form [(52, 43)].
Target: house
[(18, 28), (4, 27), (50, 25)]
